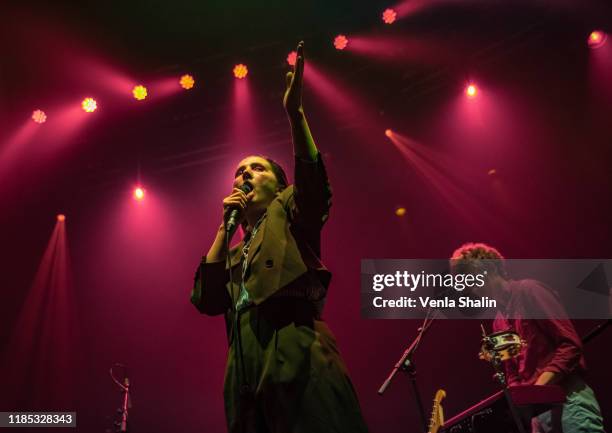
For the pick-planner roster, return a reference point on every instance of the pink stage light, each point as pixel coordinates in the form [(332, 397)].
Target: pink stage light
[(471, 91), (389, 16), (400, 211), (597, 39), (89, 105), (61, 217), (39, 116), (139, 193), (139, 92), (340, 42), (388, 133), (292, 58), (44, 340), (187, 82), (240, 71)]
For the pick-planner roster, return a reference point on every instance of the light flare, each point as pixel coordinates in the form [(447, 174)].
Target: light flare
[(389, 16), (471, 91), (292, 58), (139, 92), (597, 39), (139, 193), (341, 42), (39, 116), (89, 105), (240, 71), (187, 82)]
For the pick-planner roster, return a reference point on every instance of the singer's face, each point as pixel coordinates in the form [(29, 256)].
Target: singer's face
[(258, 172)]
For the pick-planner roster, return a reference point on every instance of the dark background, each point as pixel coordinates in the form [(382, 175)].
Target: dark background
[(542, 121)]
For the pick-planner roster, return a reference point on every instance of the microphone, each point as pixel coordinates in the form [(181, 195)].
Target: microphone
[(231, 223)]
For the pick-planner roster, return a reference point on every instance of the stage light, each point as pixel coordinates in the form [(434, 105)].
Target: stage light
[(89, 105), (61, 217), (492, 172), (139, 193), (139, 92), (388, 133), (597, 38), (389, 16), (187, 82), (39, 116), (292, 58), (340, 42), (400, 211), (471, 91), (240, 71)]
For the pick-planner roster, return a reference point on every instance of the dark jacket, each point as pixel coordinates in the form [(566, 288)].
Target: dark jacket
[(287, 246)]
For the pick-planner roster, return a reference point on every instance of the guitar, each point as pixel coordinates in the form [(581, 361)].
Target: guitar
[(437, 414)]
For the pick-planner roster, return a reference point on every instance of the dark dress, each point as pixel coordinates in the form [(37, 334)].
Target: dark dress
[(284, 372)]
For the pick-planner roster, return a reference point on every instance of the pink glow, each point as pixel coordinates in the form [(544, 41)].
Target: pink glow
[(412, 7), (39, 116), (597, 39), (325, 87), (139, 193), (396, 49), (389, 16), (243, 128), (43, 344), (16, 145), (163, 87), (143, 231), (89, 105), (600, 71), (471, 91), (105, 76), (340, 42), (67, 121), (292, 58), (61, 217), (345, 103), (433, 167), (499, 124)]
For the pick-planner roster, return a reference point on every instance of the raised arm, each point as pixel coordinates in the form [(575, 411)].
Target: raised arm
[(312, 192), (303, 144)]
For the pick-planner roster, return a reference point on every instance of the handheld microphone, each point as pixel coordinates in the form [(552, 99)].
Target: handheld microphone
[(231, 223)]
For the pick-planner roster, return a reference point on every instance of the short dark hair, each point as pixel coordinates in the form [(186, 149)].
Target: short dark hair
[(278, 171)]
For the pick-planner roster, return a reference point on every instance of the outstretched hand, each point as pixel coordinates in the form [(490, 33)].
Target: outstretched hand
[(293, 94)]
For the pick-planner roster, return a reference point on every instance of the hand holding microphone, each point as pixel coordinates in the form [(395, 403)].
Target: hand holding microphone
[(235, 205)]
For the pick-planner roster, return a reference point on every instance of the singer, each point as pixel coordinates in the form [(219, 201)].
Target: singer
[(284, 372)]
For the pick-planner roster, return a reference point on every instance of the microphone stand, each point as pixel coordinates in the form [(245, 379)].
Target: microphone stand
[(122, 426), (126, 403), (407, 365), (596, 331)]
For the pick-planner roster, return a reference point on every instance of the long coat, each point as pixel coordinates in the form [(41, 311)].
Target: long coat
[(286, 357)]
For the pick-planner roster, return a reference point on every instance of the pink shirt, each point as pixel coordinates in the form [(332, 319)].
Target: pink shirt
[(552, 342)]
